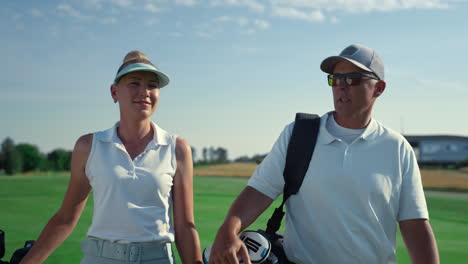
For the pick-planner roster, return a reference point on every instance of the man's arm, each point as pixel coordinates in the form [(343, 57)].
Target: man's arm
[(420, 241), (246, 208)]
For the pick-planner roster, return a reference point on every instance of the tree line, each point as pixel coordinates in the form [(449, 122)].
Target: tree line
[(210, 155), (219, 155), (24, 157)]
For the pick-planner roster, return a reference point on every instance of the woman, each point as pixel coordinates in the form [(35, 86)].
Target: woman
[(139, 173)]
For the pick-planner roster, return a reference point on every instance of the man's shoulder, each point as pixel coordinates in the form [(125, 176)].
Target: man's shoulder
[(388, 134), (287, 130), (289, 127)]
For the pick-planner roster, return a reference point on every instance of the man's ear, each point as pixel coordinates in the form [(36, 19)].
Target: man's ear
[(113, 90), (379, 88)]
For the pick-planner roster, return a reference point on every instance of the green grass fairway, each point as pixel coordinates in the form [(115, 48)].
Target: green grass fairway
[(27, 202)]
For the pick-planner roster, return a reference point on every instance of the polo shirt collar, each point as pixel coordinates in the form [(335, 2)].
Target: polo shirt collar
[(370, 131), (160, 137), (325, 137)]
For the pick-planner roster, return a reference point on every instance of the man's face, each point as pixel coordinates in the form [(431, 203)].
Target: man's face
[(351, 99)]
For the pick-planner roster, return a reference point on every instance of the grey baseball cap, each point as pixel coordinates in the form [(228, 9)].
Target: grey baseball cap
[(359, 55)]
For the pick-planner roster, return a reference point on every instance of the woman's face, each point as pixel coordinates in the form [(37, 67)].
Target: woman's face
[(137, 93)]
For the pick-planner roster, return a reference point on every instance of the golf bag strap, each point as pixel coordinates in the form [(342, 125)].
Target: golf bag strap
[(300, 149)]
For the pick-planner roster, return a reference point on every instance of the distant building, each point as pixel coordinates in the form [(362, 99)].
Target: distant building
[(439, 149)]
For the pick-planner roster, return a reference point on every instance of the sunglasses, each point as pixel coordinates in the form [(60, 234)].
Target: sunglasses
[(353, 78)]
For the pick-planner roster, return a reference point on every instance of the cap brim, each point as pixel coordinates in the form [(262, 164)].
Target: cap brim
[(329, 64), (163, 78)]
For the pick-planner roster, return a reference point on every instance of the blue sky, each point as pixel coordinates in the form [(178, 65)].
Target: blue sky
[(239, 69)]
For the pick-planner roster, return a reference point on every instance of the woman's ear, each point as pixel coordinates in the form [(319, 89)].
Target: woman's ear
[(379, 88)]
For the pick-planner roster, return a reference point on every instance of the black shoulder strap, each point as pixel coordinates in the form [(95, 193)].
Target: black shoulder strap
[(300, 149)]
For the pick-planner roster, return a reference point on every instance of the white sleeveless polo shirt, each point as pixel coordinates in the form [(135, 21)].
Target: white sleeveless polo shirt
[(132, 198)]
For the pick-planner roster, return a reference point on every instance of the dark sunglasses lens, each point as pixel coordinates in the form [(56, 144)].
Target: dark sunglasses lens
[(331, 80), (353, 80), (350, 78)]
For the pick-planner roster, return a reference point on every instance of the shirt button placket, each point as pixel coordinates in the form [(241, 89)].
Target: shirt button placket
[(131, 171), (347, 159)]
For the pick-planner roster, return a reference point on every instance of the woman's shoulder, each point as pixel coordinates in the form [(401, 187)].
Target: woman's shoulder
[(182, 148), (84, 144)]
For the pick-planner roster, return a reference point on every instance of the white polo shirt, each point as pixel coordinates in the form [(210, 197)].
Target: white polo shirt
[(132, 198), (347, 208)]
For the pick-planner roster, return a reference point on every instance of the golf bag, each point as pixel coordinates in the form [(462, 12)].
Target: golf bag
[(18, 255), (300, 149)]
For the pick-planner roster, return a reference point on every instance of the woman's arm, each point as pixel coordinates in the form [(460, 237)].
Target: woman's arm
[(62, 223), (186, 235)]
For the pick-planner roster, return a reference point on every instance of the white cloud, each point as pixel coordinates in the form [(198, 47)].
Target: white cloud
[(152, 8), (254, 6), (249, 27), (290, 12), (207, 30), (36, 12), (151, 22), (429, 4), (223, 18), (179, 24), (242, 21), (122, 3), (17, 16), (19, 27), (69, 10), (334, 20), (186, 2), (262, 24), (203, 34), (97, 4), (54, 34), (242, 49), (109, 20), (251, 4), (249, 31), (175, 34), (361, 5)]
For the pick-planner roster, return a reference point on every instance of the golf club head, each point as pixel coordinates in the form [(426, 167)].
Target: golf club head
[(258, 245), (19, 254)]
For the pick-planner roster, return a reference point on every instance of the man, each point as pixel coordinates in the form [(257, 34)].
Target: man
[(362, 180)]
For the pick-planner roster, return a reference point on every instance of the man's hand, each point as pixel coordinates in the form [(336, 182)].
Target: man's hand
[(226, 248), (246, 208)]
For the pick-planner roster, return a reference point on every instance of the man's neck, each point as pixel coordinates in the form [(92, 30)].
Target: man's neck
[(353, 121)]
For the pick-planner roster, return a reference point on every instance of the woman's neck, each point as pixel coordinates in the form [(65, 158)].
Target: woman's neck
[(134, 131)]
